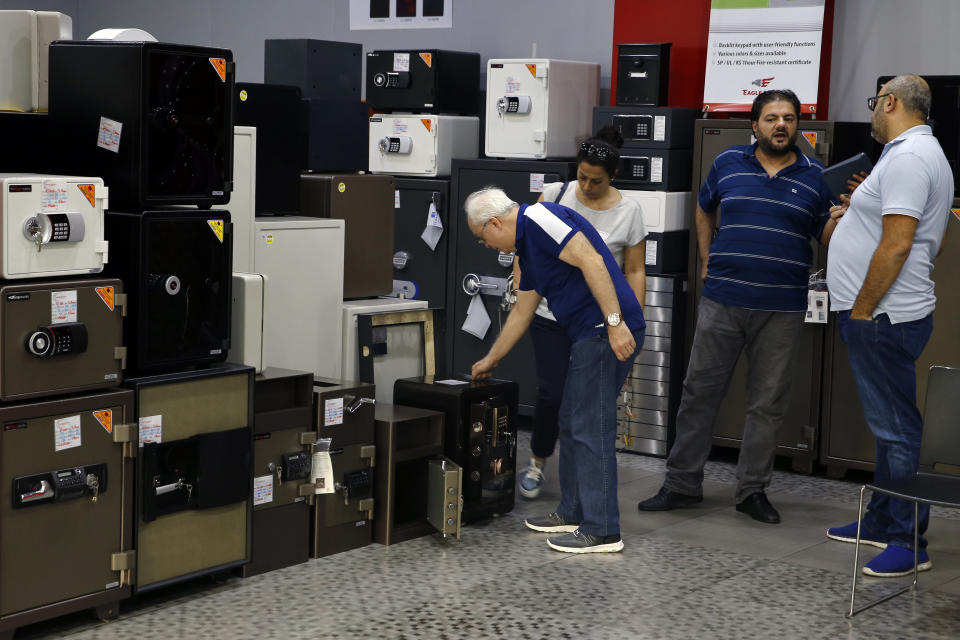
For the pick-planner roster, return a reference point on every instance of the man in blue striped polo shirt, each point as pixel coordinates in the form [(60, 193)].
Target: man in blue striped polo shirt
[(754, 297)]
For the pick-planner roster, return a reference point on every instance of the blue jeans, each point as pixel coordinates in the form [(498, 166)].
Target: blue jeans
[(588, 433), (551, 349), (883, 359)]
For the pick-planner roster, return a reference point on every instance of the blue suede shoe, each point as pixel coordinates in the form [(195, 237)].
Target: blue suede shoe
[(895, 561), (848, 533)]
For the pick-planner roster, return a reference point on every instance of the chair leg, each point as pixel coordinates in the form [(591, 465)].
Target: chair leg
[(856, 554), (916, 539), (916, 558)]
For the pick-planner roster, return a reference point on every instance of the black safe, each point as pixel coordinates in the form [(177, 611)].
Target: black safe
[(649, 127), (655, 169), (425, 81), (321, 68), (153, 119), (274, 110), (176, 265), (480, 435), (523, 181), (419, 272), (643, 72), (335, 134)]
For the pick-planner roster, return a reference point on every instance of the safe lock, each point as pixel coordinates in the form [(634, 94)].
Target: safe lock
[(60, 339), (165, 281), (392, 80), (513, 104), (60, 485), (45, 228), (395, 144), (400, 260)]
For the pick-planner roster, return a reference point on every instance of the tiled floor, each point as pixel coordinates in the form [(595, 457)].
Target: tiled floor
[(706, 572)]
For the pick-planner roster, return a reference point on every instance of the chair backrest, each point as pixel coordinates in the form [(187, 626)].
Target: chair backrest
[(940, 450)]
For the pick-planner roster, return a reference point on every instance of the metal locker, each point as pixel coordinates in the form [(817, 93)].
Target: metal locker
[(539, 108), (51, 225), (421, 145), (60, 337), (194, 481), (68, 466)]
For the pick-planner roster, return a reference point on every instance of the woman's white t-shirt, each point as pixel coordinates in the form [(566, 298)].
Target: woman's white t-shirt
[(620, 226)]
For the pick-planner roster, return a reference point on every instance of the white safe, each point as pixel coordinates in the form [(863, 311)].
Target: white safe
[(244, 196), (538, 108), (246, 320), (421, 145), (404, 344), (51, 225), (663, 210), (25, 38), (302, 261)]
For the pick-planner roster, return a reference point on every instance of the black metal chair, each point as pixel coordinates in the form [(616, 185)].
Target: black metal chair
[(937, 481)]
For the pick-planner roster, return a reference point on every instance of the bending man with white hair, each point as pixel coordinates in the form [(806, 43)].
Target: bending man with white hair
[(563, 258)]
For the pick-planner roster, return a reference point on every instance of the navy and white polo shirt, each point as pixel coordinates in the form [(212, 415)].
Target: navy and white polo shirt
[(543, 230), (761, 256)]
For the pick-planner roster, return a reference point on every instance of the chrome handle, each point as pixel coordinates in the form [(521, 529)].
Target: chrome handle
[(472, 285), (43, 493)]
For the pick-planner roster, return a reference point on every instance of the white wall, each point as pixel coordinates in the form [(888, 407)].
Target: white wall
[(873, 38), (571, 29)]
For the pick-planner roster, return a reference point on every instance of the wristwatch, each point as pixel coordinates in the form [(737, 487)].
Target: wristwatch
[(613, 319)]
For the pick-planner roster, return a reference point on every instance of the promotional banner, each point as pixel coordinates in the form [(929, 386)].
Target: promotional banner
[(756, 45)]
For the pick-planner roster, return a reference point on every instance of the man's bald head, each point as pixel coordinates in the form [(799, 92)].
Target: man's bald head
[(913, 91)]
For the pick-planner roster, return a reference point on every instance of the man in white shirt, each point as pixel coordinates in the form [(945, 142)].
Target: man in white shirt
[(878, 273)]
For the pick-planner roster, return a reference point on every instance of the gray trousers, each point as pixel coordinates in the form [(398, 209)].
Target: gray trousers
[(770, 339)]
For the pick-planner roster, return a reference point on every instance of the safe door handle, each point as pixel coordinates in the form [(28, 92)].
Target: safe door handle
[(352, 408), (45, 492)]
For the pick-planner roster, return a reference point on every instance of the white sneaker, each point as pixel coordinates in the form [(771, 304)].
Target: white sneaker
[(530, 480)]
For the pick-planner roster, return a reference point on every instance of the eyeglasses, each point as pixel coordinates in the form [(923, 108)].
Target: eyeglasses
[(480, 240), (591, 150), (872, 102)]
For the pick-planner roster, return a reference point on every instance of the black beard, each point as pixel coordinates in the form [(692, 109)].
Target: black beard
[(766, 145)]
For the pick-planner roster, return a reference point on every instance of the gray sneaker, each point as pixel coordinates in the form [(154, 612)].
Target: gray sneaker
[(550, 524), (578, 542)]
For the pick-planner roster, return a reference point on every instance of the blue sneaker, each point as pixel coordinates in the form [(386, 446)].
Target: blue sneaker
[(530, 480), (848, 533), (895, 561)]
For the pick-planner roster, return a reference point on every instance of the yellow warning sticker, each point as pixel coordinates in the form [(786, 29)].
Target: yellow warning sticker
[(341, 187), (217, 226), (89, 191), (220, 66), (811, 137), (105, 418), (427, 58), (269, 238), (243, 95), (106, 294), (427, 122), (532, 68)]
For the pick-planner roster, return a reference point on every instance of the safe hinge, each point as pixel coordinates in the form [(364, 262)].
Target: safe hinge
[(120, 300), (306, 490), (123, 561), (369, 451), (126, 432), (120, 353), (366, 505)]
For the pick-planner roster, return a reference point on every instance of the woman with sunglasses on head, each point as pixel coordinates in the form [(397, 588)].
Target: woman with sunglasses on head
[(619, 221)]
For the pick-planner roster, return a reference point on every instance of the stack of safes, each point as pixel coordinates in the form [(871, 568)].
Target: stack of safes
[(155, 122), (536, 112), (428, 105)]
